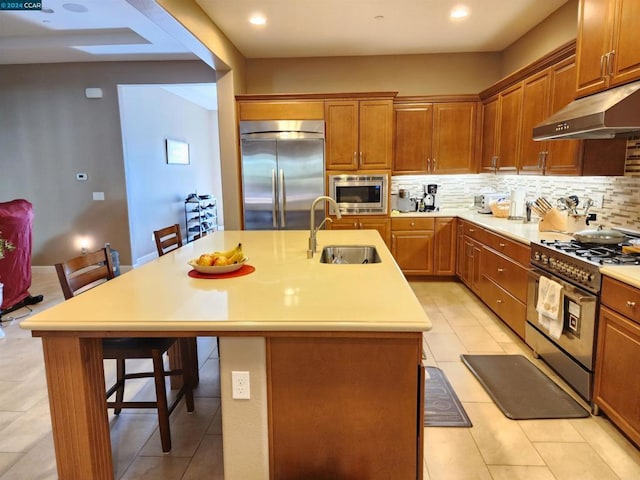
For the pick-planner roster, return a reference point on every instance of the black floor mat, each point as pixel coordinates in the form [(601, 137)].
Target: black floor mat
[(520, 389), (442, 408)]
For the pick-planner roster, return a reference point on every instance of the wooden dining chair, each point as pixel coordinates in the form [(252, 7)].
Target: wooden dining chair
[(88, 271), (168, 239)]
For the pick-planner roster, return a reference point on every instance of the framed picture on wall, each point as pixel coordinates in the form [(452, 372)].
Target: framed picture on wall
[(177, 152)]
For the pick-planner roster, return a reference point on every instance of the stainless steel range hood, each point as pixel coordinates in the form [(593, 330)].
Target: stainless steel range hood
[(609, 114)]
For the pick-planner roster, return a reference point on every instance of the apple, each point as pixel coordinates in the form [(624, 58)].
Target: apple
[(220, 261), (205, 260)]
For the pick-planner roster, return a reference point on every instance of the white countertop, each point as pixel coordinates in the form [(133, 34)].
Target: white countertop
[(515, 229), (527, 233), (629, 274), (287, 291)]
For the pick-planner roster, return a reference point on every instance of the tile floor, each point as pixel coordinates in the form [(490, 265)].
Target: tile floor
[(495, 448)]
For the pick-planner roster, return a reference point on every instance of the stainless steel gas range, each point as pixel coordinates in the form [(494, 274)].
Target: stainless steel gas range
[(575, 266)]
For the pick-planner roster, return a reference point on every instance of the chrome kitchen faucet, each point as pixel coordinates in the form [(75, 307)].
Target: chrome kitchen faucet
[(312, 230)]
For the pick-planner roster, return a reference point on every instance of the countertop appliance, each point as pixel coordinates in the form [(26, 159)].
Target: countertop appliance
[(360, 194), (404, 202), (430, 201), (576, 267), (282, 173), (482, 202)]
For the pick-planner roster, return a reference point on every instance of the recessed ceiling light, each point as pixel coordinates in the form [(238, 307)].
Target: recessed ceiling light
[(75, 7), (459, 12), (379, 17), (258, 20)]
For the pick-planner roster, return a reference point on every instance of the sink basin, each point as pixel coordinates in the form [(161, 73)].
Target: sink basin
[(355, 254)]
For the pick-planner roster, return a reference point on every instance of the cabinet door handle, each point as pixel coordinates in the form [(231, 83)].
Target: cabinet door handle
[(434, 164), (544, 159), (355, 158), (501, 270), (631, 304), (603, 59), (610, 60), (361, 159), (499, 301), (471, 230), (502, 245), (413, 224)]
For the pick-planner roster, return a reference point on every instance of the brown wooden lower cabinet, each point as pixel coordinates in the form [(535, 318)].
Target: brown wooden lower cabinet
[(511, 311), (424, 245), (345, 407), (495, 268), (617, 383), (348, 222)]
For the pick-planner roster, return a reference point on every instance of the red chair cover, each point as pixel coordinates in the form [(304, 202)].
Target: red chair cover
[(16, 223)]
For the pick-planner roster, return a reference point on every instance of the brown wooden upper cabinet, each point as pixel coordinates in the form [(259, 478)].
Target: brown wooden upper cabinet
[(501, 129), (359, 134), (608, 44), (543, 94), (280, 110), (435, 137)]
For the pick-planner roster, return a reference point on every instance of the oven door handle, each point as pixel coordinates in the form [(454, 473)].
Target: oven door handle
[(568, 290)]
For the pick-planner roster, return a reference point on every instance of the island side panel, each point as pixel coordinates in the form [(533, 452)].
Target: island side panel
[(75, 379), (343, 407)]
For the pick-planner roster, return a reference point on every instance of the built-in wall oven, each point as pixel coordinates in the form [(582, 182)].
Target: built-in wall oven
[(360, 194), (576, 267)]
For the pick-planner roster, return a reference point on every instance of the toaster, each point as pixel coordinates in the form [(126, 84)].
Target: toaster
[(482, 202)]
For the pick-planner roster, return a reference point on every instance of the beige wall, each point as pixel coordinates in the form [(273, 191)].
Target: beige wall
[(559, 28), (459, 73), (49, 132)]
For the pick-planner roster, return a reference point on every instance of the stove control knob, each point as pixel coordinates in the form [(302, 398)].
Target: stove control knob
[(536, 256), (544, 259)]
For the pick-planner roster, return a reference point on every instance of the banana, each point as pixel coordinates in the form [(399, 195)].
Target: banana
[(236, 257), (230, 253)]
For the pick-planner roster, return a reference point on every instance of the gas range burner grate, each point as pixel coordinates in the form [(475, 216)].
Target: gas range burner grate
[(622, 259), (598, 252)]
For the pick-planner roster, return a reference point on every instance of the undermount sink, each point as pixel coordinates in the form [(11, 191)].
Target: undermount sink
[(355, 254)]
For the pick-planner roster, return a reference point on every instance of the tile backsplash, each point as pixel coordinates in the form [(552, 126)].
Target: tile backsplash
[(621, 206)]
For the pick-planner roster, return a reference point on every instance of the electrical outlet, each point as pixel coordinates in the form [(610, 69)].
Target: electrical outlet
[(241, 385), (598, 200)]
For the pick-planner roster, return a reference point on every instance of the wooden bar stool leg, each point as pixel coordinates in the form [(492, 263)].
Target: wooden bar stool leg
[(120, 373), (187, 373), (161, 397)]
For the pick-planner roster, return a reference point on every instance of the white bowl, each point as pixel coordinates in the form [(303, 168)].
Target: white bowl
[(214, 270)]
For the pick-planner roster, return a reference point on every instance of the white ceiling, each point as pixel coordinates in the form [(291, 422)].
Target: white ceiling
[(109, 30), (311, 28), (103, 30), (114, 30)]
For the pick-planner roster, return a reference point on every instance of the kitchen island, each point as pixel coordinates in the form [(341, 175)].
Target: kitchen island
[(333, 353)]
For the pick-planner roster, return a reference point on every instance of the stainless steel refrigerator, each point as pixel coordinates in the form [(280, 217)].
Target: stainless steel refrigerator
[(282, 173)]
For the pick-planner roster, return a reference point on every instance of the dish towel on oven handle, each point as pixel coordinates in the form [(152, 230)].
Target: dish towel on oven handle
[(549, 306)]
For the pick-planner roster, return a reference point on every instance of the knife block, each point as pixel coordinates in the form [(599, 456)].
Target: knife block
[(557, 221)]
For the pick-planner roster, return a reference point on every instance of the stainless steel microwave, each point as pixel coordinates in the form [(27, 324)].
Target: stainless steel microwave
[(360, 194)]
